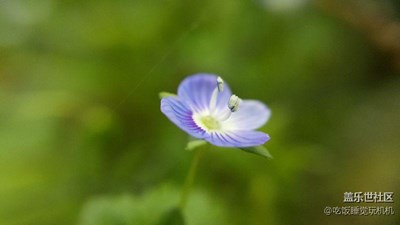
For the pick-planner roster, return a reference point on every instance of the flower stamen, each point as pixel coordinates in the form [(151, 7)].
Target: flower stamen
[(233, 106), (220, 84), (214, 97), (234, 102)]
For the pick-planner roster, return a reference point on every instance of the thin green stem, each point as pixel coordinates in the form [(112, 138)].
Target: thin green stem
[(190, 178)]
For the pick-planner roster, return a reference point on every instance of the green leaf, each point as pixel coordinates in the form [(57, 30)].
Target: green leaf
[(164, 94), (259, 150), (195, 144), (152, 207), (173, 217)]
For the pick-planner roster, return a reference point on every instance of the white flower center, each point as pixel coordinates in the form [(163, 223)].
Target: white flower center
[(210, 122)]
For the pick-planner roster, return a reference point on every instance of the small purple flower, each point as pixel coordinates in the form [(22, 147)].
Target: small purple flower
[(206, 109)]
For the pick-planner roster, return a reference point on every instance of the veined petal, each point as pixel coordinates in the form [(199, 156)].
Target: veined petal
[(252, 114), (238, 139), (178, 112), (196, 92)]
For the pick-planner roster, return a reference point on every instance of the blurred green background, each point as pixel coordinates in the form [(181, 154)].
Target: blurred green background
[(83, 141)]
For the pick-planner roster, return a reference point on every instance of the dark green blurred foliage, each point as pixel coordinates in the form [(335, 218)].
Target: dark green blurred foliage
[(82, 139), (157, 207), (173, 217)]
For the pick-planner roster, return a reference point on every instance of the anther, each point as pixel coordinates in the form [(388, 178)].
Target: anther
[(234, 103), (220, 84)]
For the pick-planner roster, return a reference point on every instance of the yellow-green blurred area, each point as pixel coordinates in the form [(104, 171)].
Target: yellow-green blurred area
[(83, 141)]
